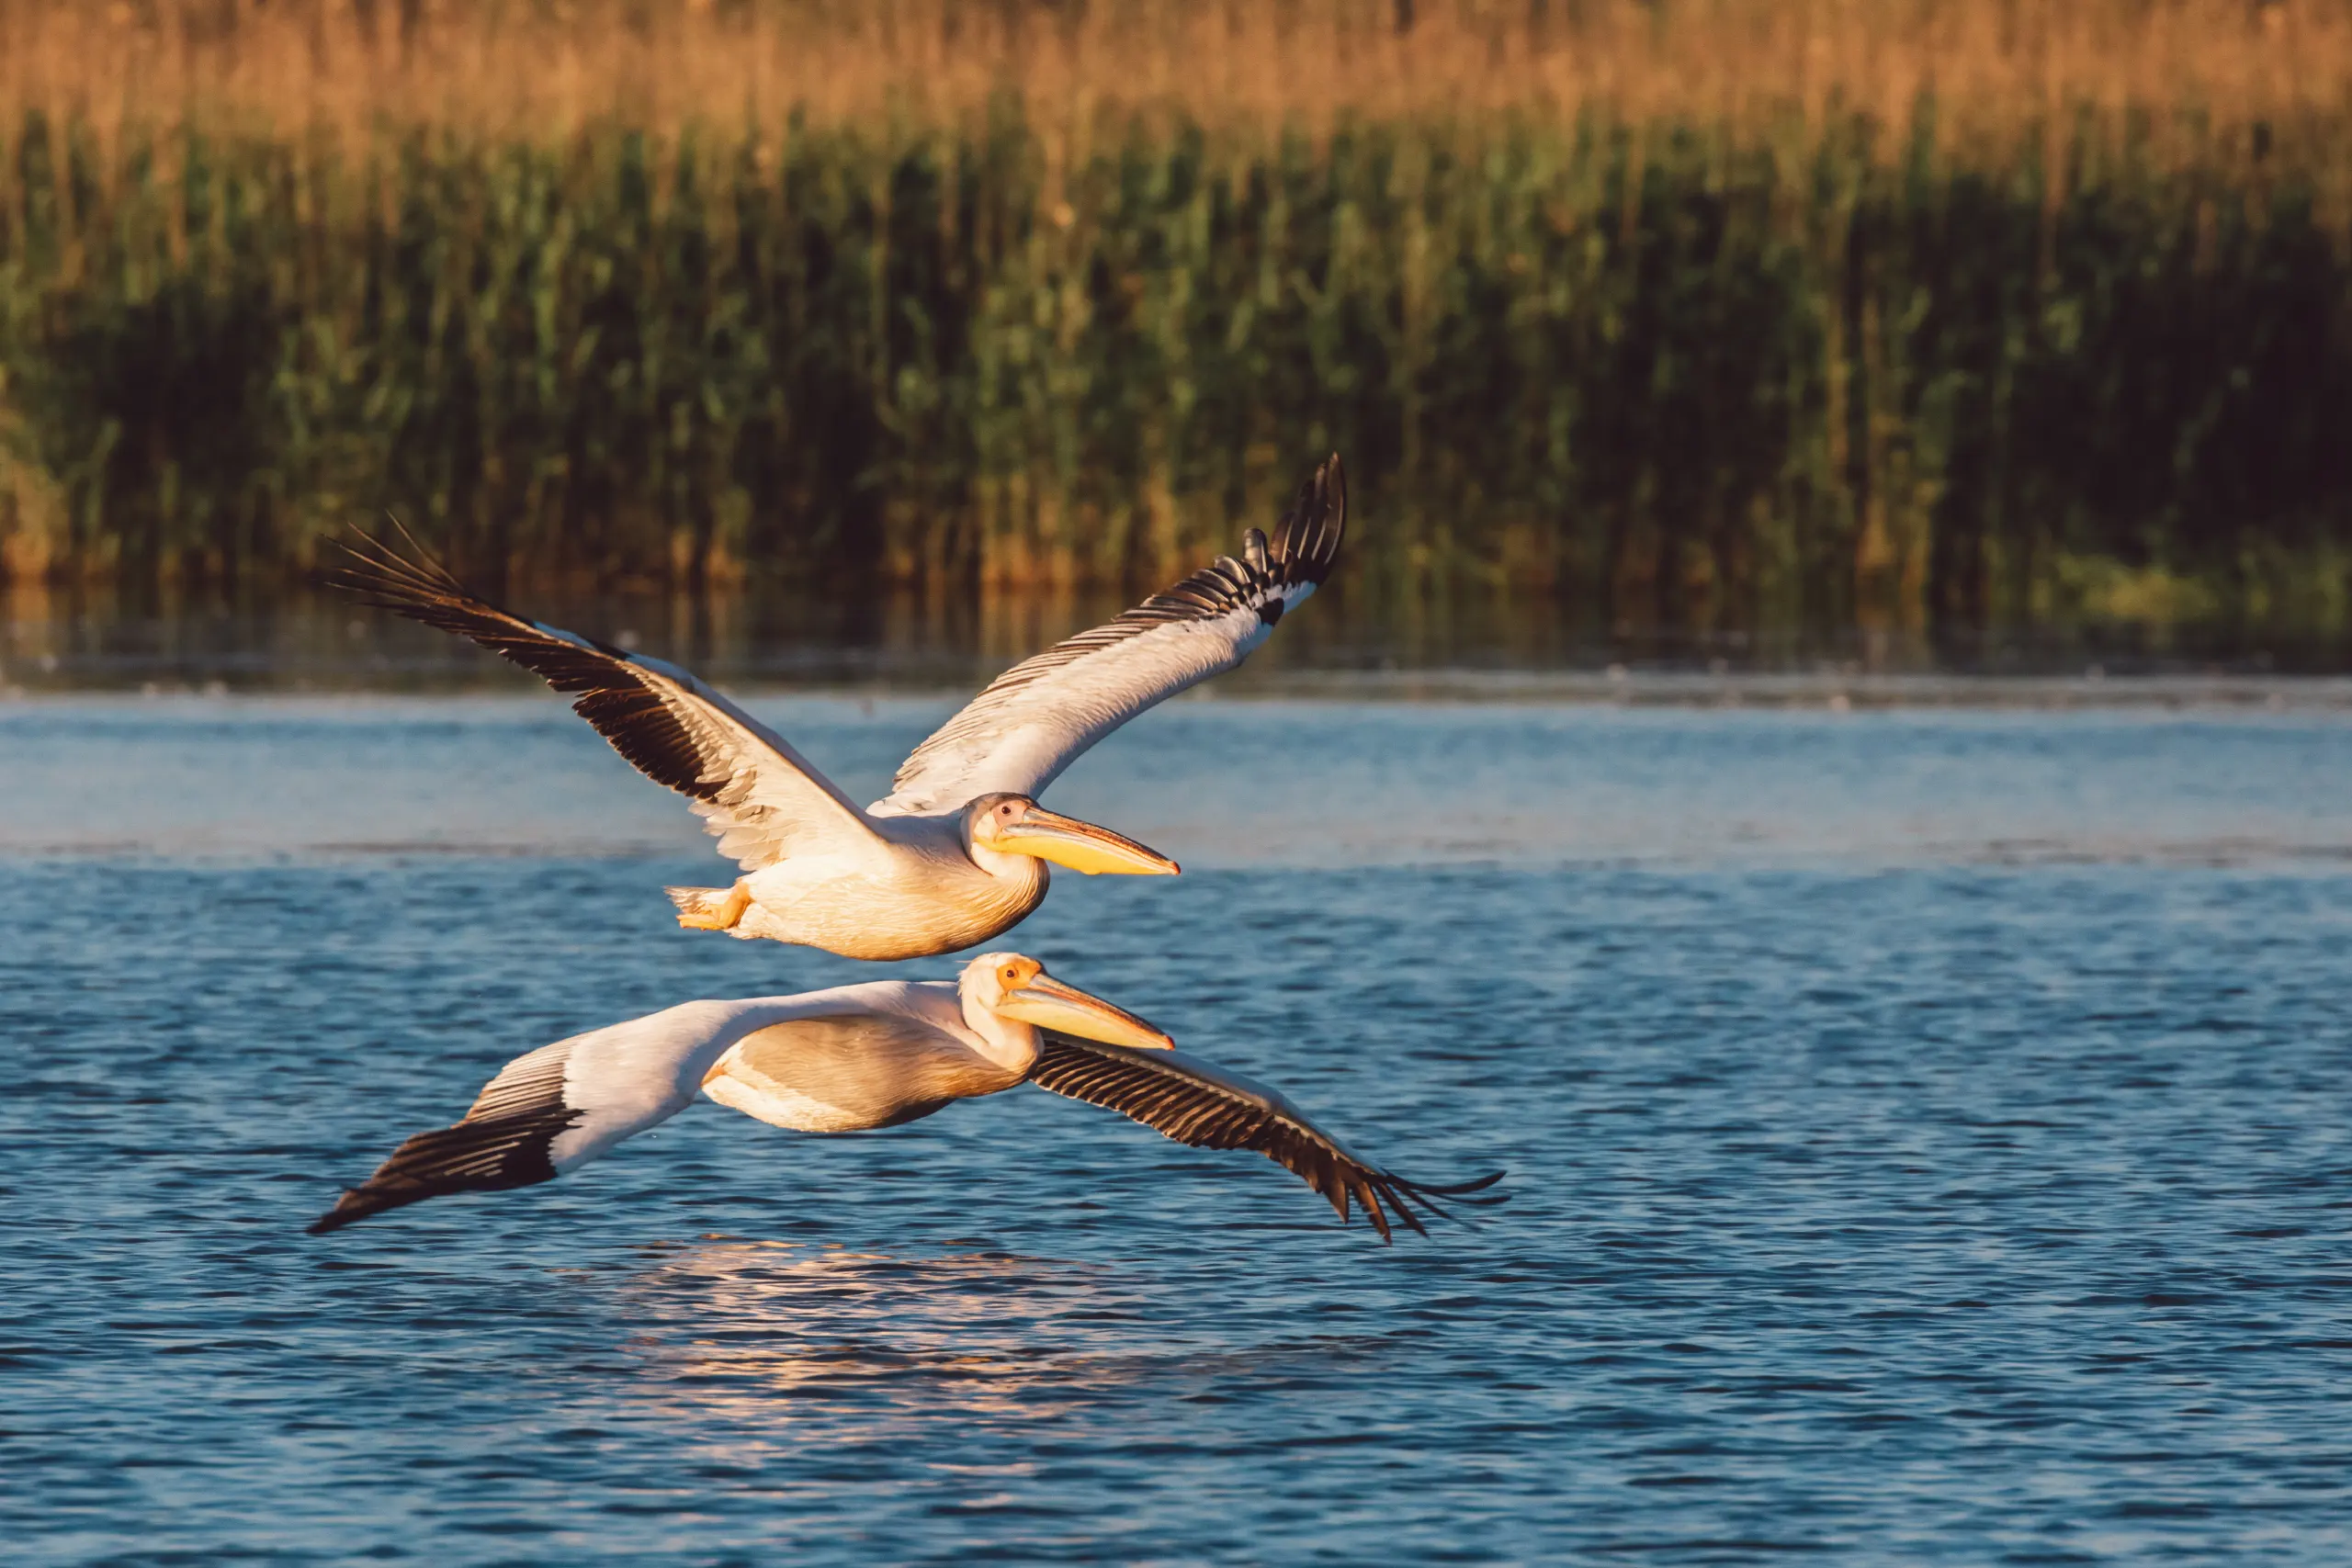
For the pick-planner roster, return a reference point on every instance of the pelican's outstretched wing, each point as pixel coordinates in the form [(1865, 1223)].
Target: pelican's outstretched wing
[(1209, 1108), (555, 1109), (761, 798), (506, 1140), (1039, 716)]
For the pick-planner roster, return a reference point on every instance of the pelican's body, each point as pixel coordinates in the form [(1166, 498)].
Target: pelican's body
[(957, 852), (908, 1051), (854, 1058), (845, 1060), (929, 891)]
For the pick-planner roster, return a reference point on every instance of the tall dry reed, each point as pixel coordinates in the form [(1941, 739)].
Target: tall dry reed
[(1721, 314)]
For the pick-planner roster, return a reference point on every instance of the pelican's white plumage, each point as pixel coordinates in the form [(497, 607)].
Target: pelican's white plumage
[(1042, 715), (864, 1056), (955, 853)]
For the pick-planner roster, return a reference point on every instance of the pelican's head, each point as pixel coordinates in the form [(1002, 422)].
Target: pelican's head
[(1016, 825), (1011, 986)]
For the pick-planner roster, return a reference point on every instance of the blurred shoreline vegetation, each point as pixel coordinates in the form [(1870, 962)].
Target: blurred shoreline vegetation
[(1716, 316)]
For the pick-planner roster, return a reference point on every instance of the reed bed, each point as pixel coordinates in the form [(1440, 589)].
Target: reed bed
[(1716, 316)]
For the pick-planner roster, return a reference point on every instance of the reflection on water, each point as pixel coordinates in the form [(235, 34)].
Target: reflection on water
[(874, 1344), (789, 1316), (53, 639)]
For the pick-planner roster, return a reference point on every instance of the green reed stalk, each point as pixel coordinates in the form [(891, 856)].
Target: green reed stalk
[(1815, 371)]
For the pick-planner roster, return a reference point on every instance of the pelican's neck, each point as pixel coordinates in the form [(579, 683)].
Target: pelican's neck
[(1011, 1044), (1015, 870)]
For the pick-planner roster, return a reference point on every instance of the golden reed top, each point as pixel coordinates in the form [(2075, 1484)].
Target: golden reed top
[(542, 68)]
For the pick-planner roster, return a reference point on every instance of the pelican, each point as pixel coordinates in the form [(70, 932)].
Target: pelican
[(858, 1057), (957, 852)]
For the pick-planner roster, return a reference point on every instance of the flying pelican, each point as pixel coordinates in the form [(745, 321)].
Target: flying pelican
[(857, 1057), (957, 852)]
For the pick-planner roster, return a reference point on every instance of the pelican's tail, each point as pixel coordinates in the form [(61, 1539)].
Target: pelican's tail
[(710, 908)]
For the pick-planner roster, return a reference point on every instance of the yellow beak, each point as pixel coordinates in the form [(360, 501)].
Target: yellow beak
[(1047, 1003), (1081, 846)]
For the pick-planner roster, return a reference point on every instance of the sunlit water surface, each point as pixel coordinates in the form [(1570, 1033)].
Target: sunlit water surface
[(1927, 1138)]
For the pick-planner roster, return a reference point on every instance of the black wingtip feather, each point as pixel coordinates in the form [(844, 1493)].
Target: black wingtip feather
[(1193, 1103), (393, 579), (621, 700), (357, 1203), (1306, 541), (492, 1154), (1266, 579), (1460, 1191)]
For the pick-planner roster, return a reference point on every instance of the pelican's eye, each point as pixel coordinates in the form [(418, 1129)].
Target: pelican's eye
[(1006, 810), (1012, 973)]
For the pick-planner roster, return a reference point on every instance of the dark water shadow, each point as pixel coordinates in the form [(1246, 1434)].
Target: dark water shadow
[(300, 638)]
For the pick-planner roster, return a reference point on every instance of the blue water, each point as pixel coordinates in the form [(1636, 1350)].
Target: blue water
[(1927, 1138)]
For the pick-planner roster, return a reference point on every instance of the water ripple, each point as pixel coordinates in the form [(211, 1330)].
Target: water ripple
[(1910, 1206)]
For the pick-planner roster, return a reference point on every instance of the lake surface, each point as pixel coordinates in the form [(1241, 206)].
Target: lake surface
[(1928, 1136)]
